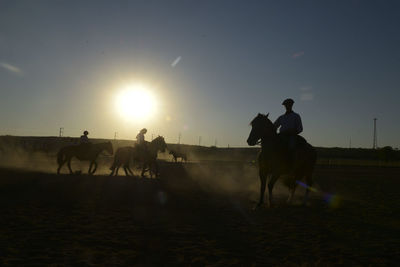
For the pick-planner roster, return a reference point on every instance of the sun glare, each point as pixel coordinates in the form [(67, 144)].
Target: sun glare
[(136, 103)]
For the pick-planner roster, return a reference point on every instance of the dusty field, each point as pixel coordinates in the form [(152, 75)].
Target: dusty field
[(198, 214)]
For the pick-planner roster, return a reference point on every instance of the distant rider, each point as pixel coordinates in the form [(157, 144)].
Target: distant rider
[(84, 141), (84, 138), (289, 125)]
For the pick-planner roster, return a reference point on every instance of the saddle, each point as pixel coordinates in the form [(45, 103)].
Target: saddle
[(141, 148), (290, 145), (84, 149)]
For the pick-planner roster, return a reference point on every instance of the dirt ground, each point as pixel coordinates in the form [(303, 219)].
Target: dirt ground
[(198, 214)]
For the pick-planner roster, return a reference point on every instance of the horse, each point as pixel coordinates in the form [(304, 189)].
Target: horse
[(177, 155), (148, 157), (274, 159), (83, 152)]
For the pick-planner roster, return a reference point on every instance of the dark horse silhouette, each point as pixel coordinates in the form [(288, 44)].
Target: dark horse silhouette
[(176, 155), (274, 160), (148, 157), (82, 152)]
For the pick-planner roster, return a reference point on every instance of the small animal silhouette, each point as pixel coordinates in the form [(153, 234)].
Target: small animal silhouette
[(177, 155)]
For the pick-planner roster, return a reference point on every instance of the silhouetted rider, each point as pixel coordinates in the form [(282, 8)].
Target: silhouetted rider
[(289, 125), (140, 142), (84, 138), (84, 142)]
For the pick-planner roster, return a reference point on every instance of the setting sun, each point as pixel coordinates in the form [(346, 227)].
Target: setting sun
[(136, 103)]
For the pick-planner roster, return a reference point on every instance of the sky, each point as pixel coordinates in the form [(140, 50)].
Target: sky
[(211, 65)]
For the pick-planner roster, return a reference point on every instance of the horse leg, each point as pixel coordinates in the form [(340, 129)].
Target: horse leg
[(271, 184), (151, 169), (292, 190), (69, 166), (95, 167), (156, 168), (59, 166), (112, 168), (129, 170), (143, 169), (126, 169), (90, 167), (263, 180), (126, 172), (117, 169)]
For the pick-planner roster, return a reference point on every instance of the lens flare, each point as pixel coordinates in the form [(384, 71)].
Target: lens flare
[(332, 200)]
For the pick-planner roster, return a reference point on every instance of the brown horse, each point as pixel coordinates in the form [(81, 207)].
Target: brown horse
[(148, 157), (274, 159), (85, 152)]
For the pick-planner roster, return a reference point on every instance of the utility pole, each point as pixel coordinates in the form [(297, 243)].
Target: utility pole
[(215, 144), (115, 135), (61, 133), (179, 138), (375, 142), (199, 140)]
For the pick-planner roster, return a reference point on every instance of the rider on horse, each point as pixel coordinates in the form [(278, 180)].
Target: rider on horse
[(290, 126), (140, 142), (84, 142), (84, 138)]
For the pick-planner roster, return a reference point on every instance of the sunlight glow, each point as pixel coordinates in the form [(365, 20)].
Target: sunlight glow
[(136, 103)]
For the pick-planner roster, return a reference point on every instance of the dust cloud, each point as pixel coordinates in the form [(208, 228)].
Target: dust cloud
[(23, 159), (219, 175)]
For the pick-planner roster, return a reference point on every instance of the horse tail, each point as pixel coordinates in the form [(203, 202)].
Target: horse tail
[(60, 156)]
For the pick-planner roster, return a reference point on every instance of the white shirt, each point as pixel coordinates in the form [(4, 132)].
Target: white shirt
[(140, 138), (289, 122)]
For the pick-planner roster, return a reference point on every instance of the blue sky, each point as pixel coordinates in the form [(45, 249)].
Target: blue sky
[(62, 63)]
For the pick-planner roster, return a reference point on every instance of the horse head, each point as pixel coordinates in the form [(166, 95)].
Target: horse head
[(261, 127), (159, 143)]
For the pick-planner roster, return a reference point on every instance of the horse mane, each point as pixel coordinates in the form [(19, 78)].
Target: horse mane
[(158, 138), (261, 117)]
